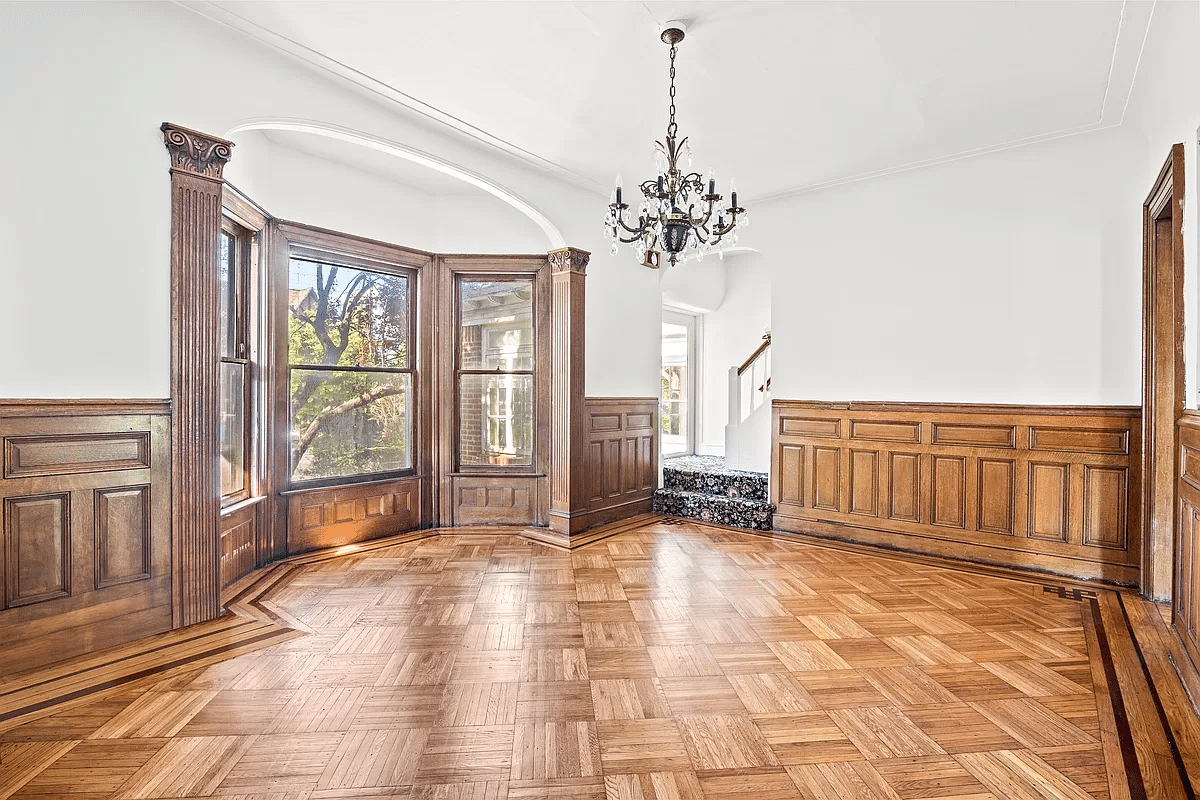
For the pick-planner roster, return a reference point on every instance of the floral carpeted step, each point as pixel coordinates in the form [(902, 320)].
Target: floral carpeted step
[(733, 511), (707, 475)]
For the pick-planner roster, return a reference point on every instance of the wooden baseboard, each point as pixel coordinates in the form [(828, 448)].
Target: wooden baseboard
[(1064, 566)]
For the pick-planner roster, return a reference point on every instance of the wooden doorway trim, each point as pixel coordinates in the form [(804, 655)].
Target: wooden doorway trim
[(1162, 370)]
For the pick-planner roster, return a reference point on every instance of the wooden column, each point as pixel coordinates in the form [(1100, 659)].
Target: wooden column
[(197, 161), (568, 439)]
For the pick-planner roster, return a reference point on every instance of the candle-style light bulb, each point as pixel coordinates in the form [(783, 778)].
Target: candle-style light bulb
[(712, 182), (618, 190), (732, 194)]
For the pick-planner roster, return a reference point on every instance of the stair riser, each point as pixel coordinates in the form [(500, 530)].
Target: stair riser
[(743, 486), (709, 508)]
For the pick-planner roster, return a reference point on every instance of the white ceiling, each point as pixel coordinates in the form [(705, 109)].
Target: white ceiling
[(787, 96)]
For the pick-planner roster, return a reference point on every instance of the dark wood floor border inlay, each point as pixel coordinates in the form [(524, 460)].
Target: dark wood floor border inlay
[(1133, 771), (1176, 756)]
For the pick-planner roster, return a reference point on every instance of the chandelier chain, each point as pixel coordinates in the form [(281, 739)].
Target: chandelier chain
[(672, 127)]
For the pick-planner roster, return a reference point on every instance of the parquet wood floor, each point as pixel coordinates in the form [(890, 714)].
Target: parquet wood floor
[(668, 661)]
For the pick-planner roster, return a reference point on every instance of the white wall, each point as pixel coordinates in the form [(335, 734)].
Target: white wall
[(1008, 278), (731, 334), (1013, 277), (85, 225)]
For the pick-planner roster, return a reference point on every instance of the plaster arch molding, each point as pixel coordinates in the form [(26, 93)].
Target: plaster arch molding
[(554, 237)]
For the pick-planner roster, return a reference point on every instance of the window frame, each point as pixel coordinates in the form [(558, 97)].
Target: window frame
[(245, 252), (458, 371), (343, 250)]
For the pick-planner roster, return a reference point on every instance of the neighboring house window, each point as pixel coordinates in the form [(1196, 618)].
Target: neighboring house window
[(495, 372), (234, 342), (350, 370)]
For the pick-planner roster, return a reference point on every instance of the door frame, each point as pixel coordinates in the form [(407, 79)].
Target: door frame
[(1162, 372), (692, 323)]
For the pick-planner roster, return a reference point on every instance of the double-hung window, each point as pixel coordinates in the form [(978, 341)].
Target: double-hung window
[(350, 370), (235, 253), (495, 372)]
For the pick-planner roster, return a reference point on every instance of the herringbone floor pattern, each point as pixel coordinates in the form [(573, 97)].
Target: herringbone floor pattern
[(666, 662)]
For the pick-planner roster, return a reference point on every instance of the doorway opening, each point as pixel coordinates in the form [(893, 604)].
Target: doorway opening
[(677, 397)]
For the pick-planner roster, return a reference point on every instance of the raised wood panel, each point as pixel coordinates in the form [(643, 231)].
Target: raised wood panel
[(69, 454), (949, 491), (864, 482), (997, 495), (1105, 498), (122, 531), (804, 426), (826, 478), (904, 476), (639, 421), (37, 546), (86, 558), (886, 431), (1189, 466), (341, 515), (791, 472), (1047, 487), (606, 422), (495, 500), (976, 435), (1080, 440)]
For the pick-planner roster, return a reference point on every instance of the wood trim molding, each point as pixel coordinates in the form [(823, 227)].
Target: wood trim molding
[(1046, 488), (197, 162), (568, 270), (1162, 370), (64, 407)]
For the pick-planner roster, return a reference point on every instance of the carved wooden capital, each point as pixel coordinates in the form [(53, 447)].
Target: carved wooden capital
[(569, 259), (195, 152)]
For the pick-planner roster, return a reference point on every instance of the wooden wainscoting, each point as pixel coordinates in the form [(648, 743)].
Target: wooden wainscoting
[(86, 522), (339, 515), (1186, 602), (241, 544), (622, 457), (1050, 488), (498, 499)]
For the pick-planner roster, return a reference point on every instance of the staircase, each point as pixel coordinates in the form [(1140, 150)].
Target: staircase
[(701, 488)]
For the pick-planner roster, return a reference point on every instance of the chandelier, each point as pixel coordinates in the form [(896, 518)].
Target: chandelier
[(677, 217)]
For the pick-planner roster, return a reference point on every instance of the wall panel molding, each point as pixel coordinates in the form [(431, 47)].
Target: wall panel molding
[(1041, 487), (85, 517), (339, 515), (1185, 601), (620, 469)]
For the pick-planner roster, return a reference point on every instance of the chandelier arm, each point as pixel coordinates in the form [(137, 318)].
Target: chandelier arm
[(643, 225)]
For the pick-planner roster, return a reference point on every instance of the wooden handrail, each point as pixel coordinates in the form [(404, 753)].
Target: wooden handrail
[(754, 356)]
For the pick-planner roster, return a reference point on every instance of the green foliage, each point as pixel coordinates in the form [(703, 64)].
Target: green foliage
[(348, 422)]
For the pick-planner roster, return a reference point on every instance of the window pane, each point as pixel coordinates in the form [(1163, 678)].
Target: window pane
[(495, 414), (233, 428), (340, 316), (497, 325), (228, 277), (349, 423)]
